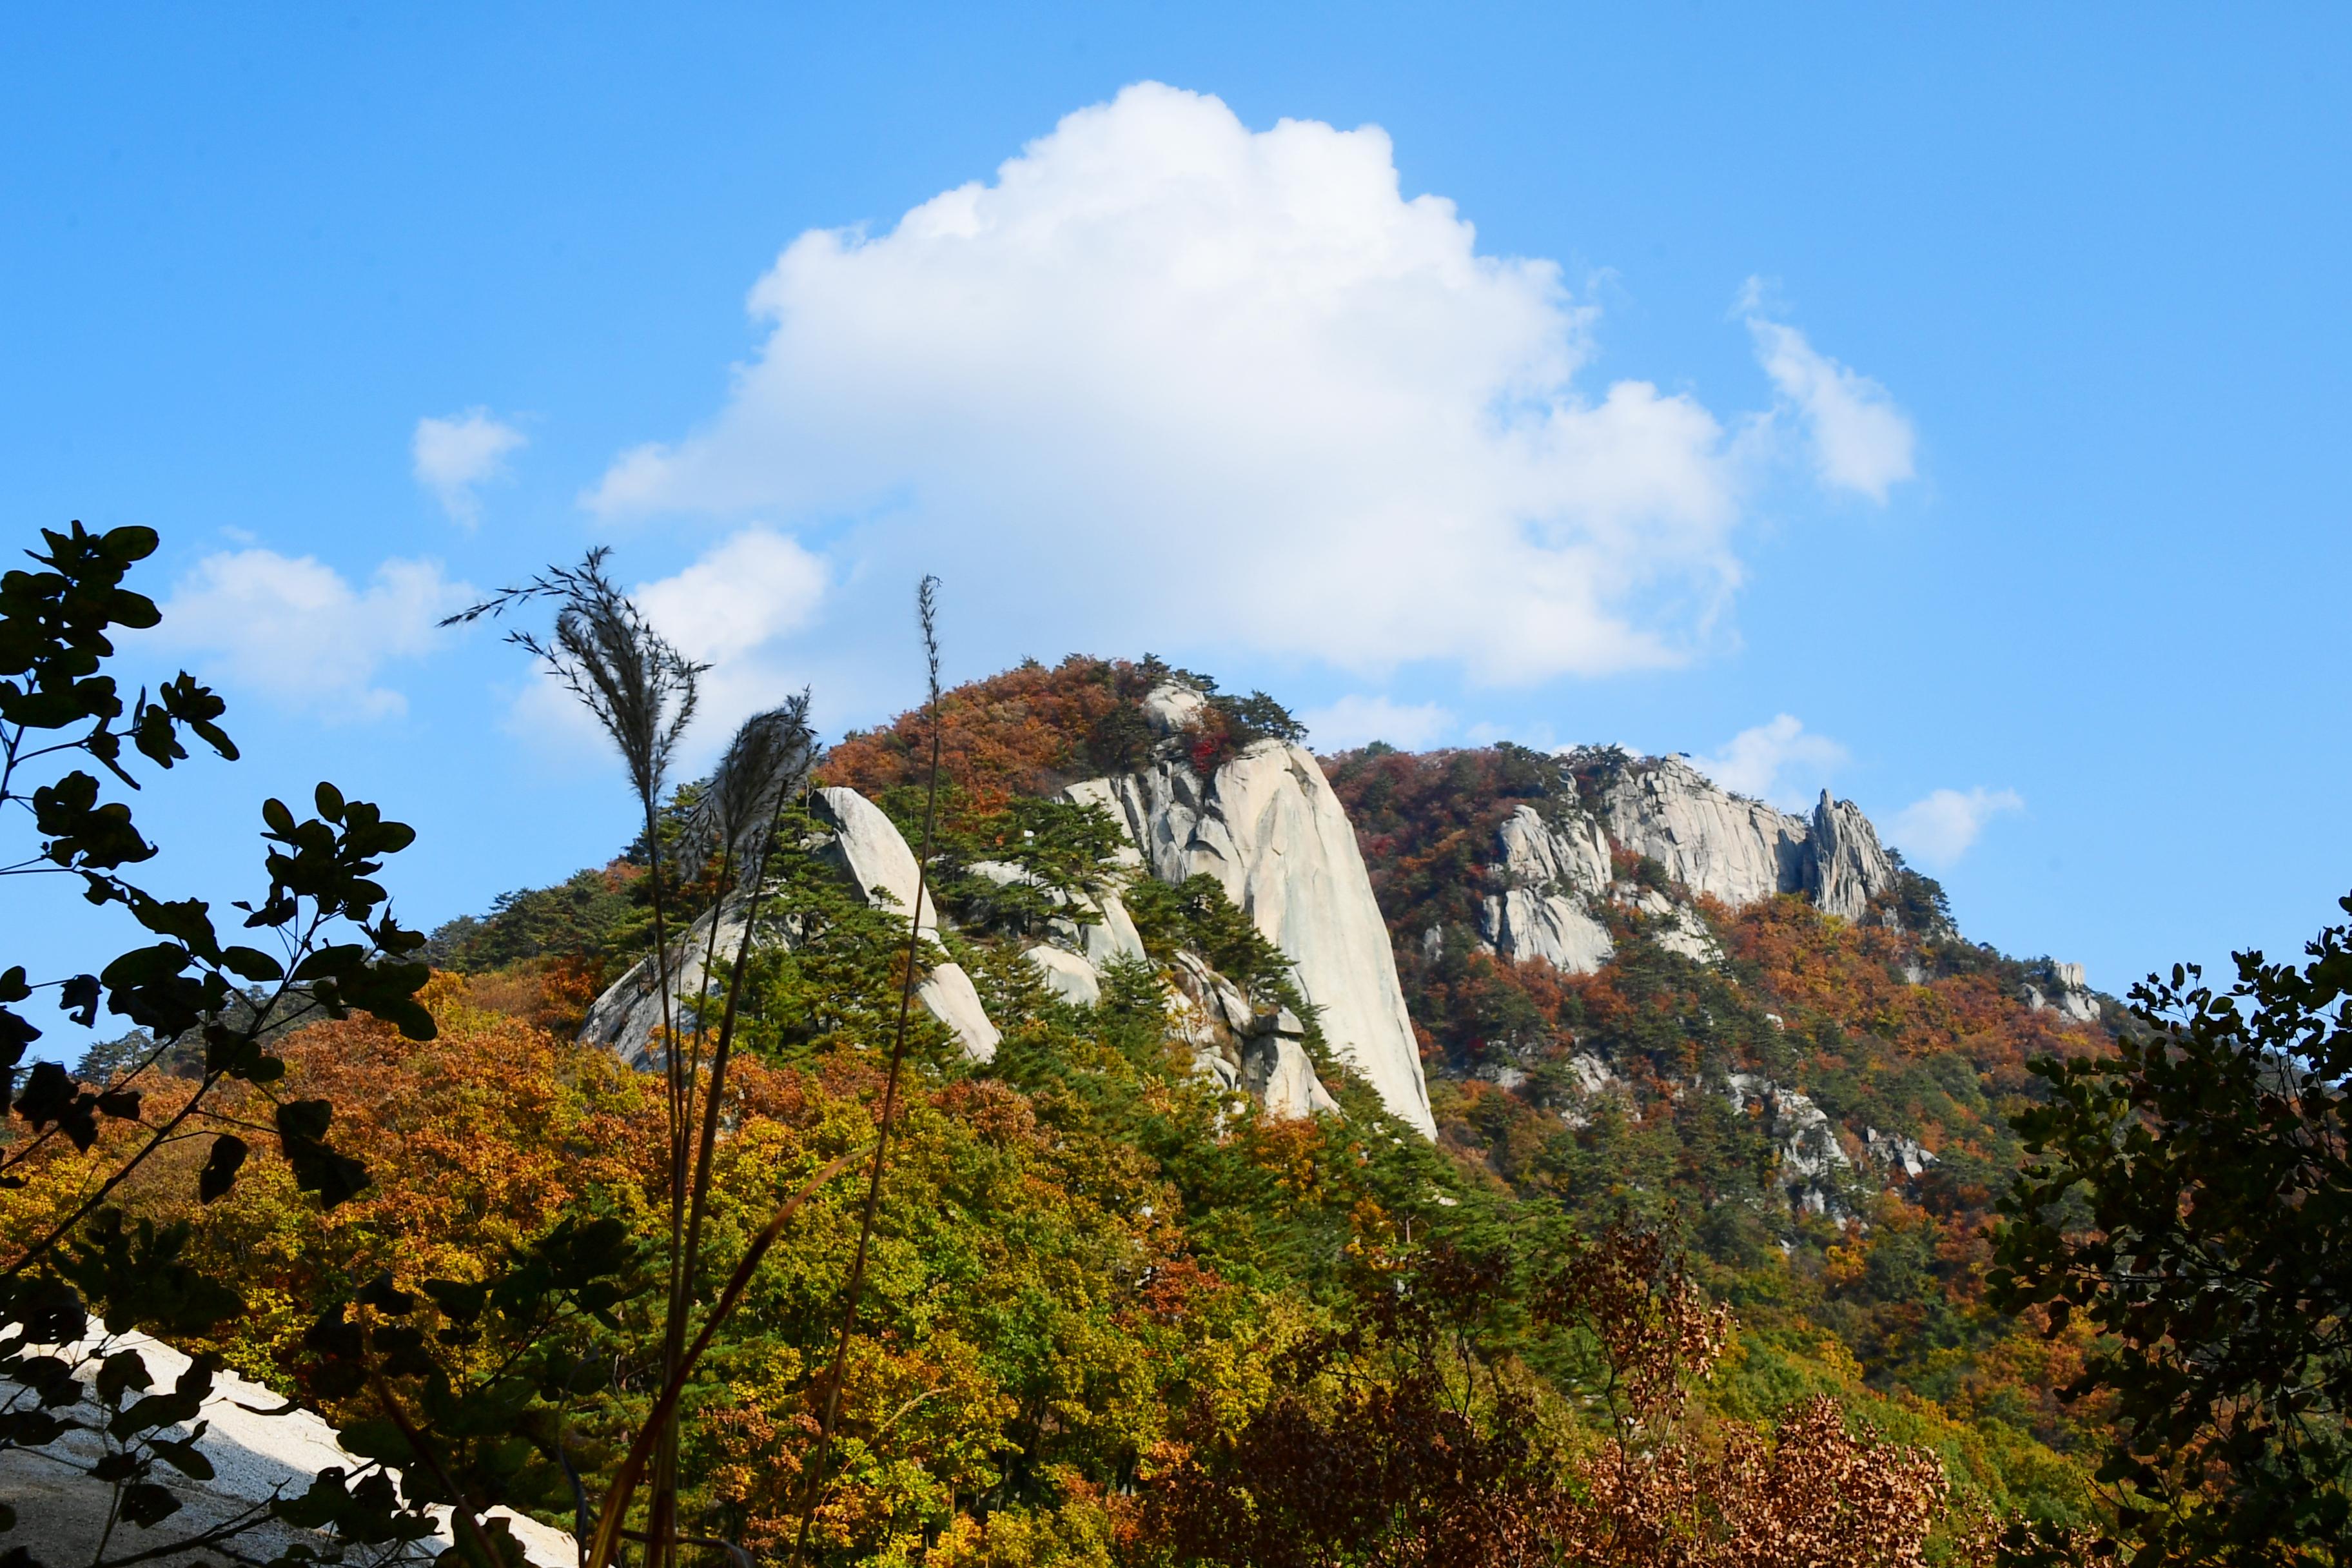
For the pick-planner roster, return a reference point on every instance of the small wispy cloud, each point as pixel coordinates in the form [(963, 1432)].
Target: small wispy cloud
[(1939, 828), (1780, 762), (1861, 441), (297, 633), (455, 457), (1357, 719)]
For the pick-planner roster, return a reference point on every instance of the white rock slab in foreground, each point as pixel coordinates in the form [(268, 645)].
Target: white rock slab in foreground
[(255, 1457)]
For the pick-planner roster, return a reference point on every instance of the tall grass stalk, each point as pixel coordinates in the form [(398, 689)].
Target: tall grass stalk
[(766, 767), (642, 692), (927, 617)]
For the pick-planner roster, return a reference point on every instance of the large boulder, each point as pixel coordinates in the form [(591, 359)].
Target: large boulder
[(627, 1018), (872, 853), (1072, 978), (1276, 1070), (948, 994)]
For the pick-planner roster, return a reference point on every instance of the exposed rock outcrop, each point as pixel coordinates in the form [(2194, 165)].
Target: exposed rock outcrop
[(872, 852), (1553, 870), (1277, 1071), (1709, 840), (1677, 927), (1269, 829), (1896, 1152), (947, 993), (1257, 1051), (1844, 865), (1589, 1078), (1072, 977), (1098, 929), (627, 1018), (1548, 875), (1742, 851), (1812, 1160), (2069, 993), (869, 851)]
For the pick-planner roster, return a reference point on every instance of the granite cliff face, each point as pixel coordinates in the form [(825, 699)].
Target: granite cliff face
[(1554, 869), (1269, 829), (1709, 840), (1550, 875)]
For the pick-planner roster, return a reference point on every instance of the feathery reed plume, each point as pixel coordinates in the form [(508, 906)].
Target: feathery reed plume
[(603, 651), (767, 761), (927, 606), (642, 692)]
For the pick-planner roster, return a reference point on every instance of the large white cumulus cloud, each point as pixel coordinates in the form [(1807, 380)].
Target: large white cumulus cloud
[(1184, 383)]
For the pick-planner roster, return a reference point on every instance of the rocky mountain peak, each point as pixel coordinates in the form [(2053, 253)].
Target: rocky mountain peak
[(1553, 867)]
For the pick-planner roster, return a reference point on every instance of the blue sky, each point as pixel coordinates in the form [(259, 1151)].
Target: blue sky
[(1945, 407)]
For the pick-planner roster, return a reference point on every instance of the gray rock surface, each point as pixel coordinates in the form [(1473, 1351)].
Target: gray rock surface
[(1709, 840), (1100, 794), (1554, 872), (1071, 976), (1811, 1158), (1846, 867), (1277, 1071), (2075, 997), (627, 1018), (1678, 928), (1099, 928), (1172, 708), (1109, 936), (1257, 1052), (1270, 830), (1741, 851), (865, 847), (1548, 875), (2071, 1002), (947, 992), (1522, 924), (1896, 1151), (1590, 1078), (869, 848)]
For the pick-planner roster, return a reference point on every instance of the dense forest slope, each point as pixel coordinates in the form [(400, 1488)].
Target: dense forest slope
[(1281, 1122), (1635, 992)]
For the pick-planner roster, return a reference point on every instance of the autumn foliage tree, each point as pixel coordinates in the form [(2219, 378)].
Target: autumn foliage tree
[(1410, 1437)]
